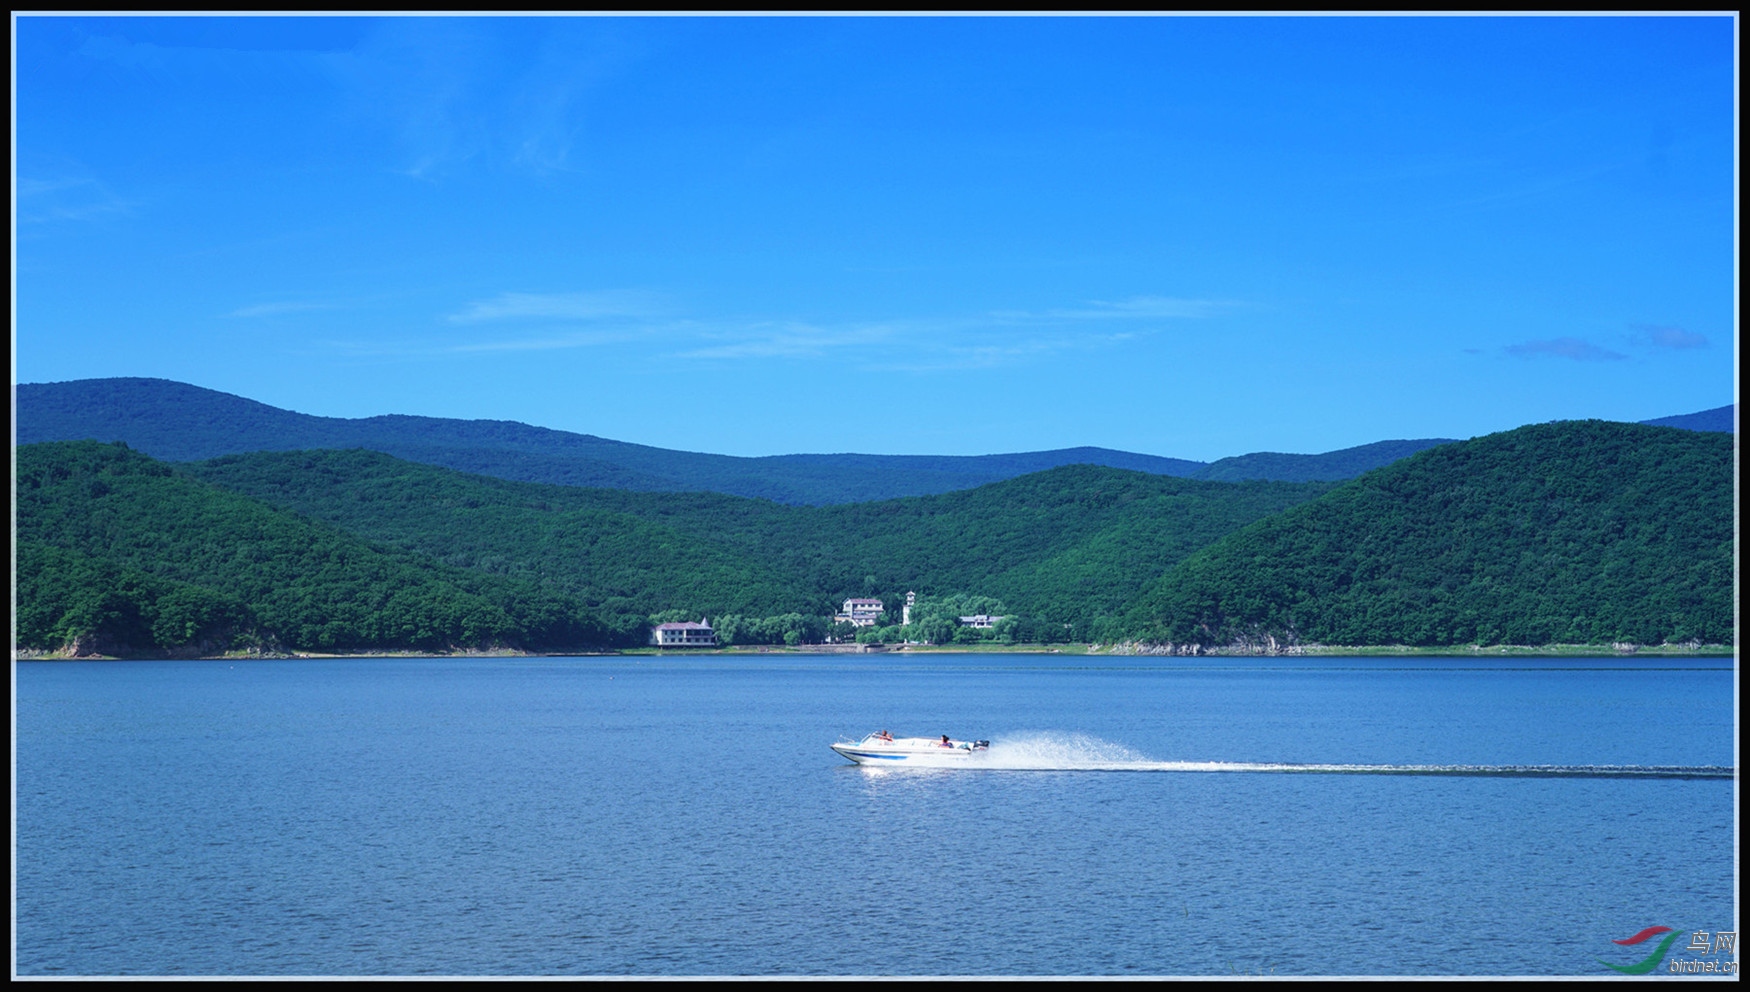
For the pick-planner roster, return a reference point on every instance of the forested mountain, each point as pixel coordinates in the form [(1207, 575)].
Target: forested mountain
[(125, 555), (1071, 545), (178, 422), (1575, 532), (1328, 467), (1580, 531), (624, 551), (330, 550), (1720, 418)]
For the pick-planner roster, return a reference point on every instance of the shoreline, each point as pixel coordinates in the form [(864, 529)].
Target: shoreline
[(1099, 650)]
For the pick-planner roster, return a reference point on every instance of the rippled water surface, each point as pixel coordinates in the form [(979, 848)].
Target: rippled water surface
[(684, 816)]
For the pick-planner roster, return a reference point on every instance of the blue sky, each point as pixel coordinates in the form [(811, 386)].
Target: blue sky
[(1186, 236)]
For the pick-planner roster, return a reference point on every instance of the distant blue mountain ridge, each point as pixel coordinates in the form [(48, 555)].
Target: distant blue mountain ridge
[(175, 421), (1723, 419)]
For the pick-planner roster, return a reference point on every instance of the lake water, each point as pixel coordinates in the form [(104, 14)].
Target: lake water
[(684, 816)]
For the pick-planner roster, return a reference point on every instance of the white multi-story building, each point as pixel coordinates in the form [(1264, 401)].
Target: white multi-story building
[(680, 635), (859, 612)]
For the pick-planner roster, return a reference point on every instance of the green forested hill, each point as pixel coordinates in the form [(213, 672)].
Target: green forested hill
[(130, 556), (625, 552), (1576, 532), (176, 421), (1571, 532), (1330, 466), (1070, 545), (179, 422)]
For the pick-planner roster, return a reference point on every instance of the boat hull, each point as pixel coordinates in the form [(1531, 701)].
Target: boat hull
[(907, 751)]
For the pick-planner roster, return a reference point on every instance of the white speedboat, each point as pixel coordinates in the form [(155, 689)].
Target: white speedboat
[(882, 748)]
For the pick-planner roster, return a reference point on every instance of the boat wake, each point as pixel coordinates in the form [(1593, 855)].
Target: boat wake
[(1080, 752)]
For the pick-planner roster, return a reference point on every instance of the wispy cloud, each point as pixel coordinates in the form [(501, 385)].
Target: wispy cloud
[(66, 199), (957, 356), (418, 349), (513, 322), (922, 344), (277, 308), (554, 342), (1538, 188), (1134, 308), (559, 306), (791, 340), (1675, 338), (463, 93), (1142, 307), (1570, 348)]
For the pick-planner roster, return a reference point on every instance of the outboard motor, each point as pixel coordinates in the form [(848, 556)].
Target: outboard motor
[(976, 745)]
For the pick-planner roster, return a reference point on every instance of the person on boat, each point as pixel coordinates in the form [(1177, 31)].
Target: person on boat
[(884, 735), (946, 742)]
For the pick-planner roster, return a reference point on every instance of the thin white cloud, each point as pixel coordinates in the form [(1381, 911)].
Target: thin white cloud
[(581, 339), (1142, 307), (429, 350), (1012, 350), (66, 199), (125, 53), (1570, 348), (1675, 338), (38, 187), (558, 306), (790, 340), (560, 321), (1134, 308), (927, 344), (457, 94), (277, 308), (1536, 189), (990, 340)]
